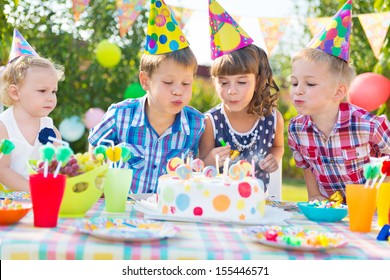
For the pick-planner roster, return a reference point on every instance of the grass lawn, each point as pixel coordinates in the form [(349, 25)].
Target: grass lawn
[(294, 190)]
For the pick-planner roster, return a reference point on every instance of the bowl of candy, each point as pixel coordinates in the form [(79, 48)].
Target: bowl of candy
[(84, 183), (12, 212), (323, 211)]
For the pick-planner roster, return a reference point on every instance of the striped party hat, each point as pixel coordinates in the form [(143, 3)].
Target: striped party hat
[(20, 47)]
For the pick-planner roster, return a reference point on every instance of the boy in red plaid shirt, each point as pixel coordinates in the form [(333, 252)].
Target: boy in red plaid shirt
[(331, 139)]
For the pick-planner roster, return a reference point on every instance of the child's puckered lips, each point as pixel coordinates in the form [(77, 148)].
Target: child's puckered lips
[(177, 102)]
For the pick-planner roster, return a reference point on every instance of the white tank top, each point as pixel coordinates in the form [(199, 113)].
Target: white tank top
[(23, 149)]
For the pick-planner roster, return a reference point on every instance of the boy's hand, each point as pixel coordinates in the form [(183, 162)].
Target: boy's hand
[(269, 164)]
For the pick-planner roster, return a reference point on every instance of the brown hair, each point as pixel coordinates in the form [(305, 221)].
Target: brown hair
[(15, 73), (251, 60), (150, 62), (339, 68)]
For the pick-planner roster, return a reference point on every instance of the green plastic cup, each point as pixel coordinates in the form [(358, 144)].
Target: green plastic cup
[(116, 189)]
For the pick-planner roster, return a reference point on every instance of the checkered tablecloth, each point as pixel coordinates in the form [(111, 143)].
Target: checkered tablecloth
[(194, 241)]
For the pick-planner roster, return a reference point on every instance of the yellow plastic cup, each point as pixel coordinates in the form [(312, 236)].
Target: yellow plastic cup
[(361, 207), (383, 204), (116, 189)]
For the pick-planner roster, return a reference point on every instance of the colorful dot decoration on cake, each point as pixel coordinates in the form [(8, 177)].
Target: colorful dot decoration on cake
[(163, 34), (334, 39)]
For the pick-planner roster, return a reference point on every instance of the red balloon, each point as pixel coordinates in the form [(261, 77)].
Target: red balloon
[(369, 91)]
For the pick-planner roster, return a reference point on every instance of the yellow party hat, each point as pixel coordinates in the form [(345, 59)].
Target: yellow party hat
[(164, 34)]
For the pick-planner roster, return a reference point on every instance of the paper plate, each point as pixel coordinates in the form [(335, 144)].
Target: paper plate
[(295, 238), (281, 204), (119, 229)]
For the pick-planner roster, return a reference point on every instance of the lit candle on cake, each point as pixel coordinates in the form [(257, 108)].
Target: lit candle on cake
[(226, 168), (217, 163)]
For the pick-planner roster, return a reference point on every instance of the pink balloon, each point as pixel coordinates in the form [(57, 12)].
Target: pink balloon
[(92, 117), (369, 91)]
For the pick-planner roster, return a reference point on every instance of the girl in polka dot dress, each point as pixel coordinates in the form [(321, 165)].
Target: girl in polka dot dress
[(246, 119)]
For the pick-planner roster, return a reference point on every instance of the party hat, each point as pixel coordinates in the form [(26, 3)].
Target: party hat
[(334, 38), (225, 33), (164, 34), (20, 47)]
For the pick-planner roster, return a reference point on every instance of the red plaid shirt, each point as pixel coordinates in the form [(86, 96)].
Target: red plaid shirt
[(339, 160)]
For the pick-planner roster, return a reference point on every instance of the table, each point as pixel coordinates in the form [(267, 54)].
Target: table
[(202, 241)]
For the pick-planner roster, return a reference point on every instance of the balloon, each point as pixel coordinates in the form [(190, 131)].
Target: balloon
[(369, 91), (134, 91), (71, 129), (92, 117), (108, 54)]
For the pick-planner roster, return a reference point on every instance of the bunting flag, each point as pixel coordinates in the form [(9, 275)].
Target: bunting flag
[(317, 24), (78, 8), (181, 15), (273, 29), (375, 26), (128, 11)]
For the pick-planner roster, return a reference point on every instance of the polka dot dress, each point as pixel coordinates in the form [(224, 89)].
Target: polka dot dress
[(255, 143)]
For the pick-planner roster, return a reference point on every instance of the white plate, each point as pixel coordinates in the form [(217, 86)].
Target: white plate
[(119, 229), (335, 240), (281, 204)]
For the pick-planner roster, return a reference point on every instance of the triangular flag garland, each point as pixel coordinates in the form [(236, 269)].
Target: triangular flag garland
[(128, 11), (375, 26), (182, 15), (225, 33), (315, 25), (273, 29), (78, 7)]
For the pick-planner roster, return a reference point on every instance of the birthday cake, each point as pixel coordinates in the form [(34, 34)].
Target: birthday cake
[(189, 190)]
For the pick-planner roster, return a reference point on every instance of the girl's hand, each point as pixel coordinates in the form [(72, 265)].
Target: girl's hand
[(269, 164), (317, 197), (223, 153)]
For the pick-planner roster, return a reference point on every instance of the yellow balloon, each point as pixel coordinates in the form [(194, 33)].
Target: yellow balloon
[(108, 54)]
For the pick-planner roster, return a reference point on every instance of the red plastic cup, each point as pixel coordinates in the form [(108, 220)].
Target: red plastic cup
[(46, 197)]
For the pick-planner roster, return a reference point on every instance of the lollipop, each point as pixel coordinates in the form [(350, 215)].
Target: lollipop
[(125, 155), (184, 172), (47, 152), (63, 155), (370, 172), (236, 172), (210, 172), (197, 165), (114, 154), (246, 165), (6, 147), (173, 164), (385, 172), (100, 152)]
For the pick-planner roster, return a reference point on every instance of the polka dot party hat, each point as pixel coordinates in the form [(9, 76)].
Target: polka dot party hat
[(334, 38), (164, 34), (20, 47), (225, 33)]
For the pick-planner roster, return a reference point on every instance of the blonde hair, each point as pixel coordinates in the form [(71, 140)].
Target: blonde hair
[(15, 74), (150, 62), (338, 67), (251, 60)]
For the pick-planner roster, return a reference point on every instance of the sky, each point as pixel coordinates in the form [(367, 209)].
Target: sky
[(197, 27)]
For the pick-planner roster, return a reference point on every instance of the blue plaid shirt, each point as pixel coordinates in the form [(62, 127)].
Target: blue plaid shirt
[(130, 125)]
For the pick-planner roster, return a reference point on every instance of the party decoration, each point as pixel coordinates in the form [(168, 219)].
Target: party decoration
[(92, 117), (128, 11), (182, 15), (108, 54), (375, 27), (20, 47), (44, 135), (369, 91), (334, 39), (72, 129), (78, 7), (164, 34), (63, 154), (225, 33), (46, 154), (6, 147), (134, 90), (273, 29)]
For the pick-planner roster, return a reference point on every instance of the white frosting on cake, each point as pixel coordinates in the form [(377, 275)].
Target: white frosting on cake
[(211, 198)]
